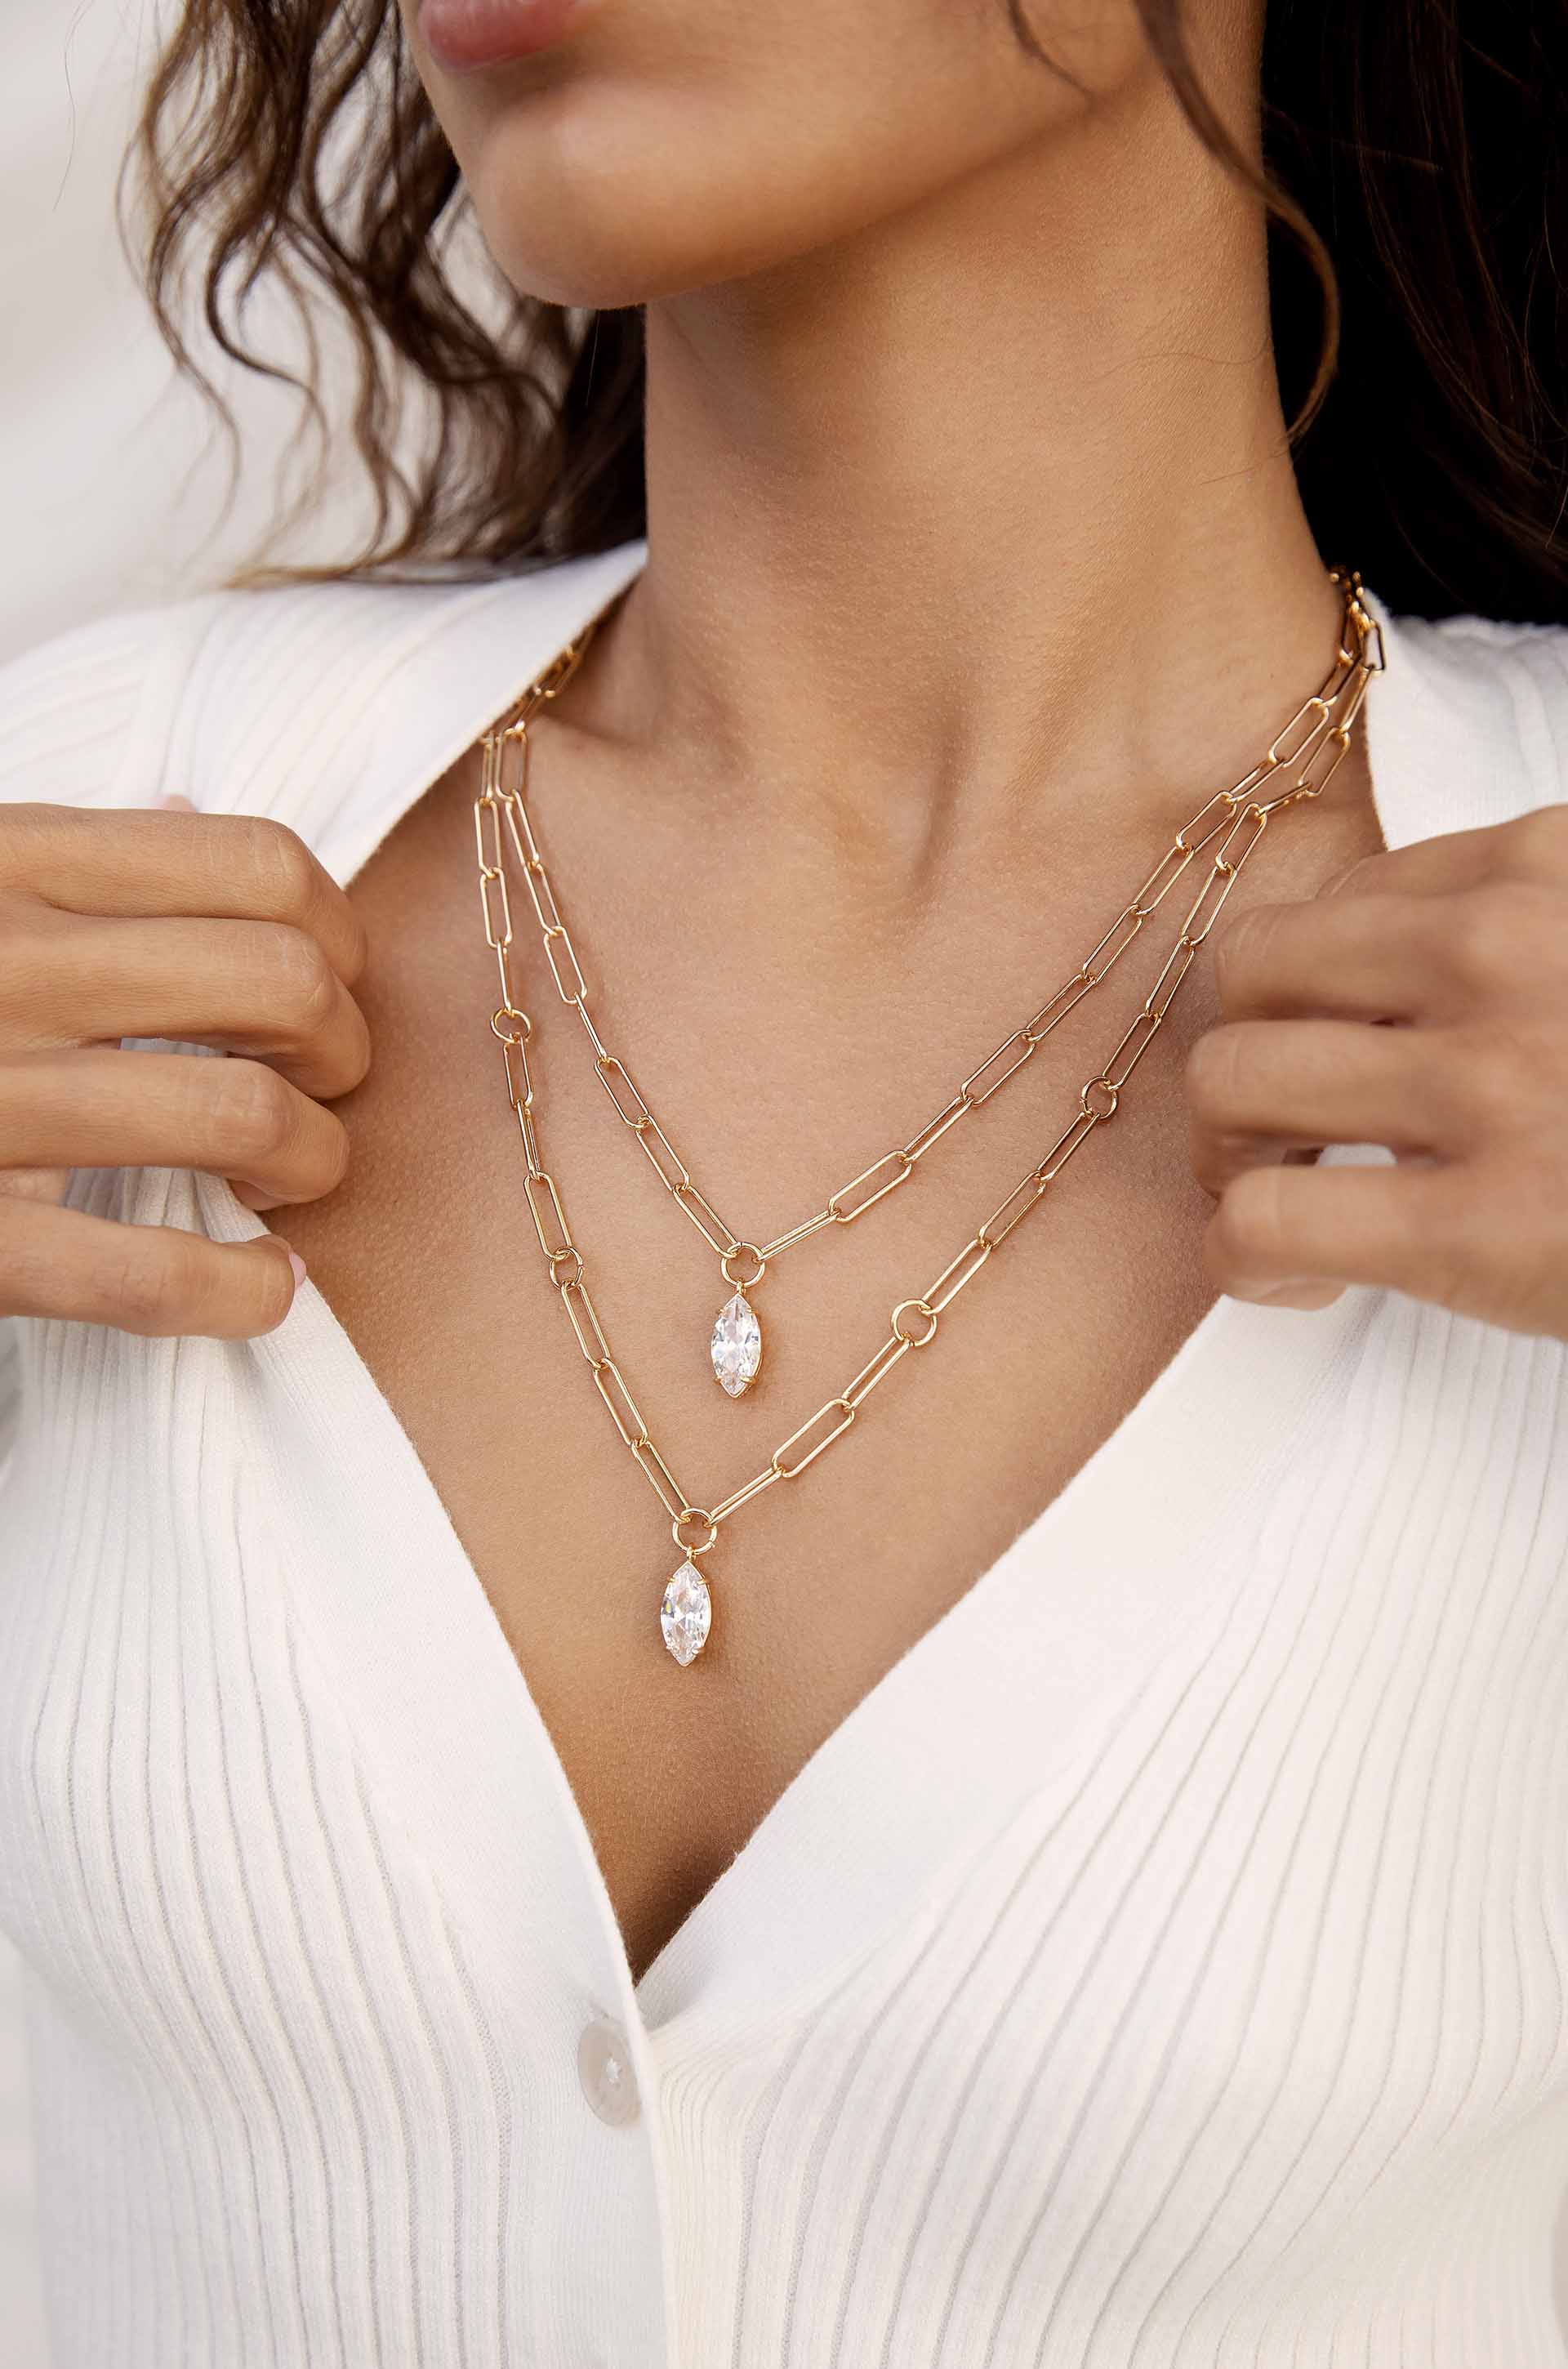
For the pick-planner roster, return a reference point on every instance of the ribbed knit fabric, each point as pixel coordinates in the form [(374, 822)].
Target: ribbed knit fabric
[(1163, 1967)]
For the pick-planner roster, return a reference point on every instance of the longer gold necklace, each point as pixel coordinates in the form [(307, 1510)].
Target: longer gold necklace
[(1309, 749)]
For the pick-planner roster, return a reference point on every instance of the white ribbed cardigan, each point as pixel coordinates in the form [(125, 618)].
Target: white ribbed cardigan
[(1164, 1966)]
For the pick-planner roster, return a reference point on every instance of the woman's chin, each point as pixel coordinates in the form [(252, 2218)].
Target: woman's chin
[(605, 186), (604, 239)]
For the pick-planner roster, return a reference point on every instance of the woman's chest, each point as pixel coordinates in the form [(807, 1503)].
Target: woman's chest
[(541, 1451)]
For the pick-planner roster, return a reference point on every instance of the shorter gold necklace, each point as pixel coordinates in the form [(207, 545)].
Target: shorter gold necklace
[(734, 1345), (1236, 817)]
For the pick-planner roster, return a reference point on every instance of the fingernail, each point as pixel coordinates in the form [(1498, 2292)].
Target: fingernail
[(1306, 1296), (173, 798), (299, 1267)]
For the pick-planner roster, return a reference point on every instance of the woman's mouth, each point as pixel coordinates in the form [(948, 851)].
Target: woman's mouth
[(462, 34)]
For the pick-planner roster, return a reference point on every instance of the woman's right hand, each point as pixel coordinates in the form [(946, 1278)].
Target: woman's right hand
[(218, 929)]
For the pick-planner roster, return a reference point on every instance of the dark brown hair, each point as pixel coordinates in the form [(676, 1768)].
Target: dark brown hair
[(1414, 161)]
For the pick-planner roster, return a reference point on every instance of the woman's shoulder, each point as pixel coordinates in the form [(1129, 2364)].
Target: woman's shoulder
[(74, 709), (1488, 699), (318, 701), (1468, 723), (1527, 663), (287, 699)]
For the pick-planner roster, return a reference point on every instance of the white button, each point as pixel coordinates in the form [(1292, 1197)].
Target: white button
[(605, 2068)]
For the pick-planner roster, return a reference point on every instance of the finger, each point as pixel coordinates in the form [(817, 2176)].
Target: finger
[(1360, 958), (105, 1109), (155, 1280), (1256, 1088), (1499, 946), (138, 862), (1389, 1227), (263, 988), (1532, 846)]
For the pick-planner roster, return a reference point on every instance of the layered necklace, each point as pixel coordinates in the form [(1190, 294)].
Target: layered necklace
[(1298, 765)]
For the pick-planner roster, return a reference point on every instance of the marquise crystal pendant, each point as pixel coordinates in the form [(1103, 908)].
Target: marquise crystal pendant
[(737, 1346), (686, 1614)]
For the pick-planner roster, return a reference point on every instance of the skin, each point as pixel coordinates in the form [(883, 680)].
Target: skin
[(961, 406)]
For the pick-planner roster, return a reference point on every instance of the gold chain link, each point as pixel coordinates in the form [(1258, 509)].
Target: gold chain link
[(1237, 818)]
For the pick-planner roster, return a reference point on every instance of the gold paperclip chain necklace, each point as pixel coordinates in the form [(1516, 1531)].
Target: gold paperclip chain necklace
[(735, 1342), (1236, 817)]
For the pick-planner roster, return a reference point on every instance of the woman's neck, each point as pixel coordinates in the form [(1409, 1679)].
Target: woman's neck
[(986, 508)]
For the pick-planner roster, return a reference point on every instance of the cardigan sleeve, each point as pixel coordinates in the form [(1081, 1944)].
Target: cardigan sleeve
[(87, 718)]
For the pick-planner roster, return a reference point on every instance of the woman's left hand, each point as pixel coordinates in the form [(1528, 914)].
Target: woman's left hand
[(1462, 943)]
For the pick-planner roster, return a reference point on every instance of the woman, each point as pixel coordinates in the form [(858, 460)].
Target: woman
[(1079, 1879)]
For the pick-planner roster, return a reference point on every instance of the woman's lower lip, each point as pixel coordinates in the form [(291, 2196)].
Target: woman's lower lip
[(461, 34)]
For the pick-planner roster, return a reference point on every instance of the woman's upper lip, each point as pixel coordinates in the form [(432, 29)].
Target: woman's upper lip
[(461, 34)]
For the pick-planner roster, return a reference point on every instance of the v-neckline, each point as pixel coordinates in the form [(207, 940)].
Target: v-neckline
[(995, 1698)]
